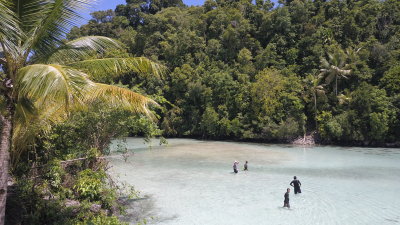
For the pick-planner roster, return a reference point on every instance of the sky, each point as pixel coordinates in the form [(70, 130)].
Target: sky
[(111, 4)]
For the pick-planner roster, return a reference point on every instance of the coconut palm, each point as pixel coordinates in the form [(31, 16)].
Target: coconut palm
[(317, 89), (44, 77), (334, 67)]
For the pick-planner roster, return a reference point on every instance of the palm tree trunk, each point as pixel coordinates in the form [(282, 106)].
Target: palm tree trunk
[(336, 85), (315, 110), (5, 144)]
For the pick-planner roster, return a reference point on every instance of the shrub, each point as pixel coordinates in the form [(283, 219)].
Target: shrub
[(90, 184), (101, 220)]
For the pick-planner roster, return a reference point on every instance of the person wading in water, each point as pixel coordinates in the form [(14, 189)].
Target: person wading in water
[(286, 201), (245, 166), (235, 170), (296, 184)]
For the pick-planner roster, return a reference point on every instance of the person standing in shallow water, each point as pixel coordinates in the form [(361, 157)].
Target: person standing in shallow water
[(235, 170), (245, 166), (296, 184), (286, 201)]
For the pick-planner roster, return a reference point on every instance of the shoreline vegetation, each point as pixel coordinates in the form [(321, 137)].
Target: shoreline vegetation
[(48, 83), (266, 71), (240, 70), (308, 140)]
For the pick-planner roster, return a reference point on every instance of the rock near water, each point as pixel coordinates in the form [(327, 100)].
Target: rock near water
[(305, 140)]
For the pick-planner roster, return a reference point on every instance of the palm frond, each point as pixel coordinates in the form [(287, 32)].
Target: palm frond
[(25, 133), (320, 91), (330, 76), (326, 75), (42, 83), (23, 138), (120, 97), (342, 60), (58, 17), (52, 112), (24, 110), (98, 68), (352, 53), (31, 13), (2, 57), (9, 31), (324, 63), (344, 73), (330, 57), (77, 49)]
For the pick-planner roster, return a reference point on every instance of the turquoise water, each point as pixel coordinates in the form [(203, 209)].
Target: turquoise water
[(191, 182)]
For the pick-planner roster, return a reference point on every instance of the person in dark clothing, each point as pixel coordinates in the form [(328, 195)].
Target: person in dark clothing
[(245, 166), (296, 184), (286, 201), (235, 170)]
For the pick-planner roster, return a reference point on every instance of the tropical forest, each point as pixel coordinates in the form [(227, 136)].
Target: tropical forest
[(217, 79)]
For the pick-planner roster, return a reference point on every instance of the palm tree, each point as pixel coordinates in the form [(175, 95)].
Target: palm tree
[(42, 77), (317, 89), (334, 67)]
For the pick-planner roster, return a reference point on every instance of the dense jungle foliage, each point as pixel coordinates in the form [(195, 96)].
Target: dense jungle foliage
[(57, 123), (238, 69), (65, 178), (243, 69)]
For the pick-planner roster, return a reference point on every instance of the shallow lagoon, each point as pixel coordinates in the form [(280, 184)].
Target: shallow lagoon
[(191, 182)]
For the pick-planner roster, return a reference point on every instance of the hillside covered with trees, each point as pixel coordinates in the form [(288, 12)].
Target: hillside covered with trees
[(263, 71), (229, 69)]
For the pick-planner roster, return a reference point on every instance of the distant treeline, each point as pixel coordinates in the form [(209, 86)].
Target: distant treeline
[(243, 69)]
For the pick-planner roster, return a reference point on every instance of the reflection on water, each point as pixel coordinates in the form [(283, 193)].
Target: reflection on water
[(191, 182)]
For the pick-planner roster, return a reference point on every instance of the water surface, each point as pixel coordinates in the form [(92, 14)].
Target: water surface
[(191, 182)]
